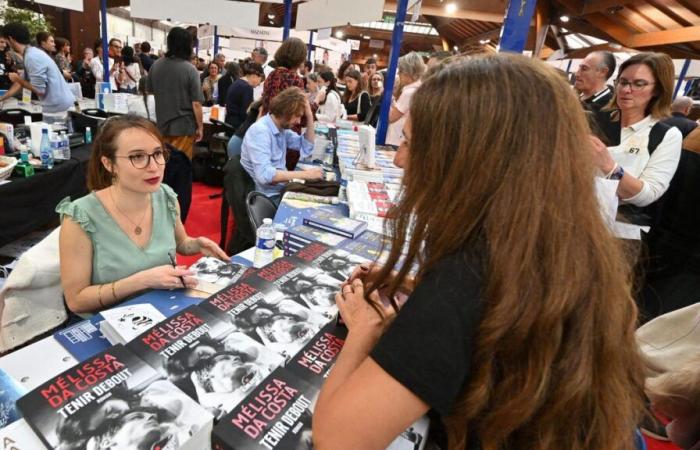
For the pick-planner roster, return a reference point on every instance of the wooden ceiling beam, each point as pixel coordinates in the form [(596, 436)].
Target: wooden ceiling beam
[(594, 6), (690, 5), (469, 14), (677, 36), (670, 13), (543, 19), (615, 30), (493, 35)]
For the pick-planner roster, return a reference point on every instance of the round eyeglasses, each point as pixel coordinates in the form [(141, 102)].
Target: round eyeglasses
[(142, 160)]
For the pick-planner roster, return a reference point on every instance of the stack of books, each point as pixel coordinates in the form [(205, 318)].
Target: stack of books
[(124, 323)]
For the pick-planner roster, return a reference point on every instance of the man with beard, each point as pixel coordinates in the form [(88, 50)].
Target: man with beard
[(264, 148)]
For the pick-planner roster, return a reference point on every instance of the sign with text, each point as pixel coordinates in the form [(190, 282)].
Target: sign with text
[(354, 44), (376, 43)]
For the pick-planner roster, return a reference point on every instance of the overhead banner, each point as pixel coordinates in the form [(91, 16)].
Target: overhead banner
[(75, 5), (261, 33), (214, 12), (316, 14)]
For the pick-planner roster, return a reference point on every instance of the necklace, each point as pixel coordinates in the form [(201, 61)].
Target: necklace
[(138, 229)]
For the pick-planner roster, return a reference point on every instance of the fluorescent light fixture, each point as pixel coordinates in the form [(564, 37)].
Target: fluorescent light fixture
[(451, 8), (564, 19), (339, 34), (366, 37), (484, 41)]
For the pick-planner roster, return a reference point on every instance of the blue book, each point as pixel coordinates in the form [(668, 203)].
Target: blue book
[(335, 223), (307, 234), (292, 212), (84, 339), (10, 392)]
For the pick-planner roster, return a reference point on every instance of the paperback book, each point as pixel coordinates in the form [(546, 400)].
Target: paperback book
[(213, 274), (306, 234), (261, 311), (84, 339), (315, 361), (276, 415), (303, 283), (115, 400), (333, 262), (124, 323), (206, 358), (336, 224)]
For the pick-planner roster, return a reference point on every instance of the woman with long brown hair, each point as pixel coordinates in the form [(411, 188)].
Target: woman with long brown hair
[(519, 331)]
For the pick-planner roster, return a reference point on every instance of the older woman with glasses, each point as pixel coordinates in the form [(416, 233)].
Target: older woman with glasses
[(642, 152), (120, 238)]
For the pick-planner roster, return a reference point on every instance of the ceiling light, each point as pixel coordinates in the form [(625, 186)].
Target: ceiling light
[(451, 8), (271, 16), (484, 41), (563, 30), (365, 37), (339, 34), (375, 56), (564, 19), (456, 48)]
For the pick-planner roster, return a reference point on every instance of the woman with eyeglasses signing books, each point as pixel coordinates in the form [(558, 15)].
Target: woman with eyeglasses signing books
[(641, 152), (118, 240)]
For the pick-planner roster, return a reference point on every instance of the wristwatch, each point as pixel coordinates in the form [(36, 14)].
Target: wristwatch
[(618, 173)]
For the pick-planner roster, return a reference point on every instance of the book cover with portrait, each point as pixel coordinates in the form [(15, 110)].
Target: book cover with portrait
[(334, 262), (306, 284), (206, 358), (276, 415), (213, 274), (261, 311), (315, 361), (115, 400)]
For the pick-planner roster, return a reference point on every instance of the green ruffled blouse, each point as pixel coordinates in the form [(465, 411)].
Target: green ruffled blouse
[(114, 254)]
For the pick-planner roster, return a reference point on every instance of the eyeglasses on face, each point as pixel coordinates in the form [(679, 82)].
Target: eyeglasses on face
[(141, 160), (635, 85)]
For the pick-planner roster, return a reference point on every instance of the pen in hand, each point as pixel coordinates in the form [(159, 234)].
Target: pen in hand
[(172, 261)]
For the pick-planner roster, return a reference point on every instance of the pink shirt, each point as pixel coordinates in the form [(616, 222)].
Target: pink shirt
[(403, 104)]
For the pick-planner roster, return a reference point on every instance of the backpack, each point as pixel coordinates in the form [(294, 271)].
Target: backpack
[(647, 215)]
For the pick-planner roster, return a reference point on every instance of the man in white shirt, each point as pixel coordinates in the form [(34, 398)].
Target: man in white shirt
[(259, 55), (114, 51)]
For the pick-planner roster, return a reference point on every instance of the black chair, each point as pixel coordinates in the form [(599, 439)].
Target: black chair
[(16, 116), (259, 208), (178, 175), (237, 185)]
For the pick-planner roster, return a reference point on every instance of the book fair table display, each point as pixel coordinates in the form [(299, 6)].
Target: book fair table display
[(237, 364)]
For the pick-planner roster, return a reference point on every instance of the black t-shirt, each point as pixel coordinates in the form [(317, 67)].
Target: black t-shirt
[(598, 101), (238, 99), (359, 106), (428, 348)]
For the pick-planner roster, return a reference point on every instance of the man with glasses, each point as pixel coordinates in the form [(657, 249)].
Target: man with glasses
[(114, 50), (591, 78)]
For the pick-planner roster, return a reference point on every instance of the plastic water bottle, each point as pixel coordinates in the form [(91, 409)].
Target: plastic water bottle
[(45, 150), (56, 149), (65, 144), (88, 135), (328, 158), (265, 244)]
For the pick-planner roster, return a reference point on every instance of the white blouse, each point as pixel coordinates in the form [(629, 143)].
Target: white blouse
[(332, 110), (655, 171)]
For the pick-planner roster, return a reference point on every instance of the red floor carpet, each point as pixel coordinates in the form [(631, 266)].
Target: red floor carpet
[(203, 220)]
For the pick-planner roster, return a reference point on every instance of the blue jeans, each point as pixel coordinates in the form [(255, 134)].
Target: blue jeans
[(234, 146)]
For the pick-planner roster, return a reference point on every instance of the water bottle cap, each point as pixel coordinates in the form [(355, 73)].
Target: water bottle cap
[(267, 221)]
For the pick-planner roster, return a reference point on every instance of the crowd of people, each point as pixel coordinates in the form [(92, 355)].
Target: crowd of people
[(519, 327)]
